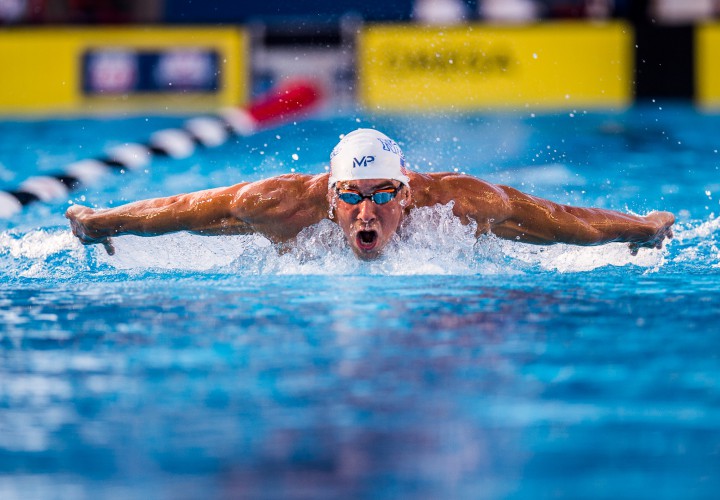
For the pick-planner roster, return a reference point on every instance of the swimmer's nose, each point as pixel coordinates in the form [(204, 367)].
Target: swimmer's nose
[(366, 211)]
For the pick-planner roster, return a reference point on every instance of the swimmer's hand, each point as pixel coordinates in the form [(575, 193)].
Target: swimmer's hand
[(80, 223), (662, 225)]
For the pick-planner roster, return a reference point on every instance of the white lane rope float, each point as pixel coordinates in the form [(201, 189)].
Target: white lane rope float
[(273, 108)]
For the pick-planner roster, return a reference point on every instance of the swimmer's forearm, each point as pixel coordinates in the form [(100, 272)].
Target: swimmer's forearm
[(578, 229), (539, 221), (611, 226), (205, 212)]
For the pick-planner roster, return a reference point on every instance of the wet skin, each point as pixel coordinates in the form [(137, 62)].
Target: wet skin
[(280, 207), (369, 227)]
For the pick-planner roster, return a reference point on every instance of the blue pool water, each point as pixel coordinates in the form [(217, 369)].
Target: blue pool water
[(191, 367)]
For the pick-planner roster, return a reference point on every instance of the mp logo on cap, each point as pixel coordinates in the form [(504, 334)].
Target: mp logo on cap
[(363, 162)]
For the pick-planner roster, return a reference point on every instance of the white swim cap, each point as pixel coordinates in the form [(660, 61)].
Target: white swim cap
[(367, 154)]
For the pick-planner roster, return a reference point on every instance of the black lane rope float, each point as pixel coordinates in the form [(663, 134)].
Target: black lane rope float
[(277, 106)]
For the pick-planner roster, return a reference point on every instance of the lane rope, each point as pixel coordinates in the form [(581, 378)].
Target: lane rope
[(279, 105)]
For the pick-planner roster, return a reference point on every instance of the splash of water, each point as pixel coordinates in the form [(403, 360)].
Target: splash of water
[(698, 245), (40, 254), (431, 241)]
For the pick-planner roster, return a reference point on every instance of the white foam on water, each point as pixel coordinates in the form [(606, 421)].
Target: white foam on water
[(698, 243), (431, 241), (180, 251), (570, 258), (703, 230), (35, 244), (434, 241), (41, 254)]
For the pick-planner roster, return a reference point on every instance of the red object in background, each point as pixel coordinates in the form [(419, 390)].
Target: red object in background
[(289, 100), (280, 103)]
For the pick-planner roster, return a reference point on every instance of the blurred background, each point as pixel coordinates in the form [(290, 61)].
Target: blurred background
[(331, 11), (281, 39)]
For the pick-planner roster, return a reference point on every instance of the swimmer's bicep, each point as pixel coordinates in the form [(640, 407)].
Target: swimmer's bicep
[(258, 204), (488, 205), (252, 201), (279, 207), (520, 216), (215, 212)]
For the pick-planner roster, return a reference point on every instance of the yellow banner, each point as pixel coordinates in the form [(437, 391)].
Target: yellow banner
[(556, 65), (707, 65), (129, 69)]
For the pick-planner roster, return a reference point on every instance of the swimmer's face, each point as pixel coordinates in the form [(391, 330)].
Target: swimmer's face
[(369, 226)]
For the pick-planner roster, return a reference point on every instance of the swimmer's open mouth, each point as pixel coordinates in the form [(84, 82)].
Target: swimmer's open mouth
[(366, 240)]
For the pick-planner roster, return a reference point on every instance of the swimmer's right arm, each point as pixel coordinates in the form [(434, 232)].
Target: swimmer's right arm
[(208, 212)]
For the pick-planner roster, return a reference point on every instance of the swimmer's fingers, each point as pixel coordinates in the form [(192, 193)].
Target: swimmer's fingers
[(86, 240), (105, 242), (666, 232), (656, 242), (663, 222), (635, 247), (108, 245)]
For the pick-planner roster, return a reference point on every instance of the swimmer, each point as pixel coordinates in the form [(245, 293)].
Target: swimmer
[(367, 192)]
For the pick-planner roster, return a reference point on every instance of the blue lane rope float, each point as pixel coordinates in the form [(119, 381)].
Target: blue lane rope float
[(277, 106)]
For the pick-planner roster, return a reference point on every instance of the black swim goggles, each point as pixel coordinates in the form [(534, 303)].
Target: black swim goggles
[(379, 197)]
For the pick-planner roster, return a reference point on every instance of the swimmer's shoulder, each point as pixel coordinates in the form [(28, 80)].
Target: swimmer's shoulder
[(290, 184), (443, 187), (434, 178), (281, 206), (304, 183)]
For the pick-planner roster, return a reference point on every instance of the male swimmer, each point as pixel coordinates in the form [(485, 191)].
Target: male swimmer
[(367, 193)]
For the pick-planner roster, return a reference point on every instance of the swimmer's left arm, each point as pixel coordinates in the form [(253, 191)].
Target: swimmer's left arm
[(535, 220)]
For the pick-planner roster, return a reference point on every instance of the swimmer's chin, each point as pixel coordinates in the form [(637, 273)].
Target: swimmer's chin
[(367, 256)]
